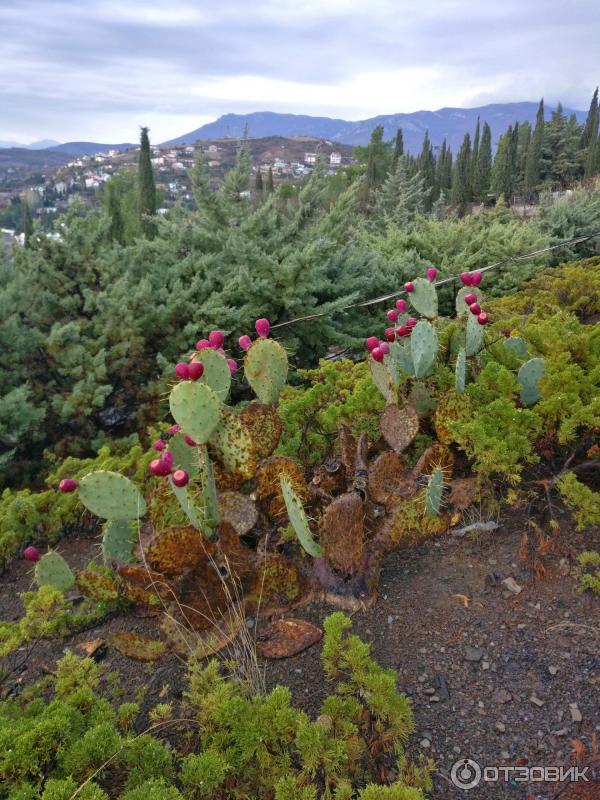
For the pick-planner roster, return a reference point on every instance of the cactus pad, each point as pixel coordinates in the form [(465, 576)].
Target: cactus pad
[(383, 379), (137, 647), (421, 399), (474, 336), (402, 357), (226, 481), (232, 447), (517, 346), (424, 298), (186, 501), (141, 585), (423, 347), (184, 456), (216, 373), (451, 407), (264, 425), (117, 541), (176, 551), (460, 371), (436, 455), (277, 585), (342, 535), (434, 491), (268, 486), (408, 523), (53, 570), (389, 478), (96, 586), (238, 510), (461, 306), (196, 408), (111, 496), (529, 377), (399, 426), (298, 519), (266, 369)]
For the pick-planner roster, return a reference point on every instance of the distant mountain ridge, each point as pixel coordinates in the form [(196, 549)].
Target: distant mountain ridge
[(445, 123), (89, 148)]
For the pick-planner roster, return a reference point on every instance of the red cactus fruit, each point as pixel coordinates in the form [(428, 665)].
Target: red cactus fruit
[(202, 344), (431, 274), (31, 553), (159, 445), (476, 278), (233, 367), (401, 305), (180, 478), (216, 339), (482, 318), (156, 467), (392, 315), (390, 334), (470, 298), (174, 429), (263, 326), (195, 370), (188, 440), (245, 342), (371, 343), (411, 322), (377, 353), (403, 330), (475, 308), (167, 458), (68, 485), (466, 278), (409, 287), (384, 347), (182, 371)]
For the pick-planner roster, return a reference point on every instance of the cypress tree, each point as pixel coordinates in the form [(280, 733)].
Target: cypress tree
[(147, 187), (258, 183), (589, 138), (461, 177), (26, 222), (270, 185), (443, 171), (116, 228), (474, 166), (503, 172), (398, 149), (377, 159), (533, 162), (426, 168)]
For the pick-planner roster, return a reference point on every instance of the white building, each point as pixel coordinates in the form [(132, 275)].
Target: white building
[(335, 159), (310, 158)]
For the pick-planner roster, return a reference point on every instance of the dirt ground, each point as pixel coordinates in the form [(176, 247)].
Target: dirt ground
[(504, 678)]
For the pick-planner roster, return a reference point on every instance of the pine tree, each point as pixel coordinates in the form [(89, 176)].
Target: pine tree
[(426, 169), (26, 222), (116, 229), (461, 193), (533, 162), (522, 151), (589, 138), (398, 149), (258, 183), (147, 187), (400, 198), (270, 185)]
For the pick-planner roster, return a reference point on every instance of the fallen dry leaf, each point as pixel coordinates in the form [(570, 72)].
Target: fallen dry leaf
[(462, 598), (283, 638), (91, 649)]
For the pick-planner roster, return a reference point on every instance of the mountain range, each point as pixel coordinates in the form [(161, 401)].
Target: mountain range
[(445, 123)]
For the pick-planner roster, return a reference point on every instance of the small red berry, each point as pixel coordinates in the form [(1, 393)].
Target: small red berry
[(431, 274), (470, 298), (263, 326), (392, 315), (401, 305), (159, 445), (466, 278), (215, 339), (31, 553), (482, 318), (409, 287), (68, 485), (475, 308), (390, 334), (371, 343), (403, 330), (182, 371), (377, 353), (233, 367), (411, 322), (202, 344), (245, 342), (476, 278), (384, 347), (180, 477), (195, 370), (174, 429)]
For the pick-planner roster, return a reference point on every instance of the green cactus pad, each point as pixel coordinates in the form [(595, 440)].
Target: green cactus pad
[(184, 456), (423, 347), (298, 519), (185, 501), (232, 447), (461, 306), (211, 516), (460, 371), (117, 541), (53, 570), (474, 336), (424, 298), (96, 586), (517, 346), (383, 380), (433, 493), (111, 496), (529, 377), (266, 369), (196, 408), (216, 373), (137, 647), (402, 357), (421, 399)]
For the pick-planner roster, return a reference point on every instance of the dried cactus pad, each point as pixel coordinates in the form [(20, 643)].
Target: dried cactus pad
[(383, 376), (268, 485), (399, 426), (111, 496), (238, 510), (389, 478), (137, 647), (434, 456), (264, 425), (266, 369), (342, 533), (53, 570), (284, 638), (141, 585), (96, 586), (176, 551), (232, 446), (196, 408)]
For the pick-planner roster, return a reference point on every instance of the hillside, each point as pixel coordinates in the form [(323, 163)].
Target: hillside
[(445, 123), (89, 148)]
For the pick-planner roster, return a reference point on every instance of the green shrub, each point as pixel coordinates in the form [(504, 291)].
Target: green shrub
[(589, 578)]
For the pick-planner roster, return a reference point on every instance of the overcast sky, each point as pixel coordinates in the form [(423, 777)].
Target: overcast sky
[(98, 69)]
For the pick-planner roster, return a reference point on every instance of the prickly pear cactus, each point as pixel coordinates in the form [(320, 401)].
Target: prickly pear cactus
[(210, 507), (423, 347), (402, 357), (264, 425), (196, 408), (383, 378), (474, 337), (117, 541), (111, 496), (460, 371), (96, 586), (298, 519), (342, 533), (217, 374), (231, 445), (461, 306), (137, 647), (53, 570), (424, 298), (517, 346), (529, 377), (176, 551), (184, 456), (193, 514), (266, 369), (433, 493)]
